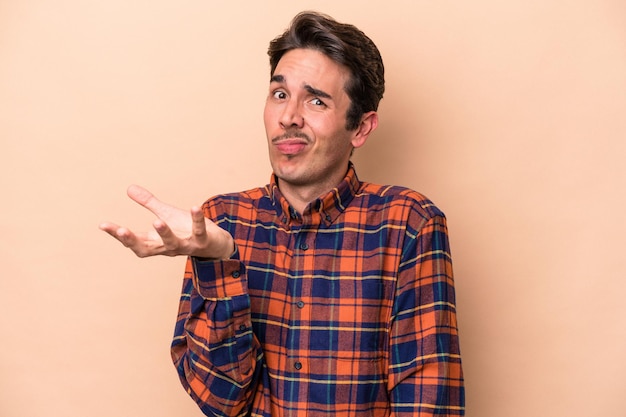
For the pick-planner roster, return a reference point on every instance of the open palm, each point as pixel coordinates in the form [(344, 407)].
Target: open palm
[(176, 231)]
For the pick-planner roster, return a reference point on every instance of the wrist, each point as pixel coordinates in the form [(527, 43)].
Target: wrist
[(230, 247), (223, 249)]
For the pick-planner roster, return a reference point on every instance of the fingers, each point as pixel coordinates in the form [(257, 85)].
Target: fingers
[(198, 224), (145, 198), (142, 245), (108, 227), (125, 236), (171, 243), (176, 232), (119, 233), (139, 194), (187, 244)]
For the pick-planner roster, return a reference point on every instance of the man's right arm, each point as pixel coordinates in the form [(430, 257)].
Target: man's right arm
[(218, 358), (216, 354)]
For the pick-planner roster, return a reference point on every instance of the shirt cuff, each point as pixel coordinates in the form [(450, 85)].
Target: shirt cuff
[(219, 280)]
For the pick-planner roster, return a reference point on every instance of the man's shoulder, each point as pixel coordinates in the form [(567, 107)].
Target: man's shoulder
[(400, 196)]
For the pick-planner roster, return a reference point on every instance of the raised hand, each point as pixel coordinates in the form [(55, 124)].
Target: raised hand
[(176, 232)]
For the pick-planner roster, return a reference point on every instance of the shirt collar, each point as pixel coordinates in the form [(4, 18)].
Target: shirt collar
[(324, 209)]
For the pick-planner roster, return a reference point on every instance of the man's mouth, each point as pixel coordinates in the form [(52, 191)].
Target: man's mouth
[(291, 144)]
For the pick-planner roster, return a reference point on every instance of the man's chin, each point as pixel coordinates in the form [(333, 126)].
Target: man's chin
[(290, 176)]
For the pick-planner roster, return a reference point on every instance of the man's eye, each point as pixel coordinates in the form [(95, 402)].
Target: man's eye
[(317, 102), (279, 95)]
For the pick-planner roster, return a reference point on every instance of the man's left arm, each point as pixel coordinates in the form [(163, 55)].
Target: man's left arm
[(425, 373)]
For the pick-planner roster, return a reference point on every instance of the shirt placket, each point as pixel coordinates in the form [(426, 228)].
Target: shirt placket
[(299, 320)]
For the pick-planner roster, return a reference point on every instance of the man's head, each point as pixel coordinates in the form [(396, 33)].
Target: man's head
[(347, 46)]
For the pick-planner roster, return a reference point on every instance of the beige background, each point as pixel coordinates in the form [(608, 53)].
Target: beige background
[(510, 115)]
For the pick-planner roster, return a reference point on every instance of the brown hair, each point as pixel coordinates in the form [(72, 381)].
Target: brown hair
[(344, 44)]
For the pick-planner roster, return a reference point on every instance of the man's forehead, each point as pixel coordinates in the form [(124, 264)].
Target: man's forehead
[(311, 61)]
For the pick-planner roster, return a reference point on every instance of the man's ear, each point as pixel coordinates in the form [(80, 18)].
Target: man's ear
[(369, 122)]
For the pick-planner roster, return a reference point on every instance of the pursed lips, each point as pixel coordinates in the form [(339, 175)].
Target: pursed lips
[(291, 143)]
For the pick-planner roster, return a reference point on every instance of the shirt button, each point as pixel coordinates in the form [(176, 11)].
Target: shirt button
[(236, 274), (297, 365), (304, 246), (300, 304)]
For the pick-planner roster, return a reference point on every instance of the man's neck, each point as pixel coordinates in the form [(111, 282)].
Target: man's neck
[(301, 196)]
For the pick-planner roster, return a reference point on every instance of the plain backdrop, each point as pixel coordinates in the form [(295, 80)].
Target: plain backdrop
[(511, 116)]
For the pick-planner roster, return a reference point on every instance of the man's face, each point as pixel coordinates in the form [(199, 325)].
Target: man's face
[(305, 119)]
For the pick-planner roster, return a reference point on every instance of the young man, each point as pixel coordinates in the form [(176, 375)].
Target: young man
[(317, 294)]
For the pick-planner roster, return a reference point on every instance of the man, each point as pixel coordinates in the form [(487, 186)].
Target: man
[(317, 294)]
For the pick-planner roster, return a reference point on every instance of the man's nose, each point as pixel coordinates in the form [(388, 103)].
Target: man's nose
[(292, 115)]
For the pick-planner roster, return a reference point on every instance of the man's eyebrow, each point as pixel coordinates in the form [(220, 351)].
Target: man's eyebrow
[(277, 78), (316, 92)]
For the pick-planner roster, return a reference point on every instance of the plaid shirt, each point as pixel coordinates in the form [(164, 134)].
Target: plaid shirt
[(347, 309)]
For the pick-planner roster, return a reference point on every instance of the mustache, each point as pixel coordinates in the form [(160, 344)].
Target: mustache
[(291, 135)]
